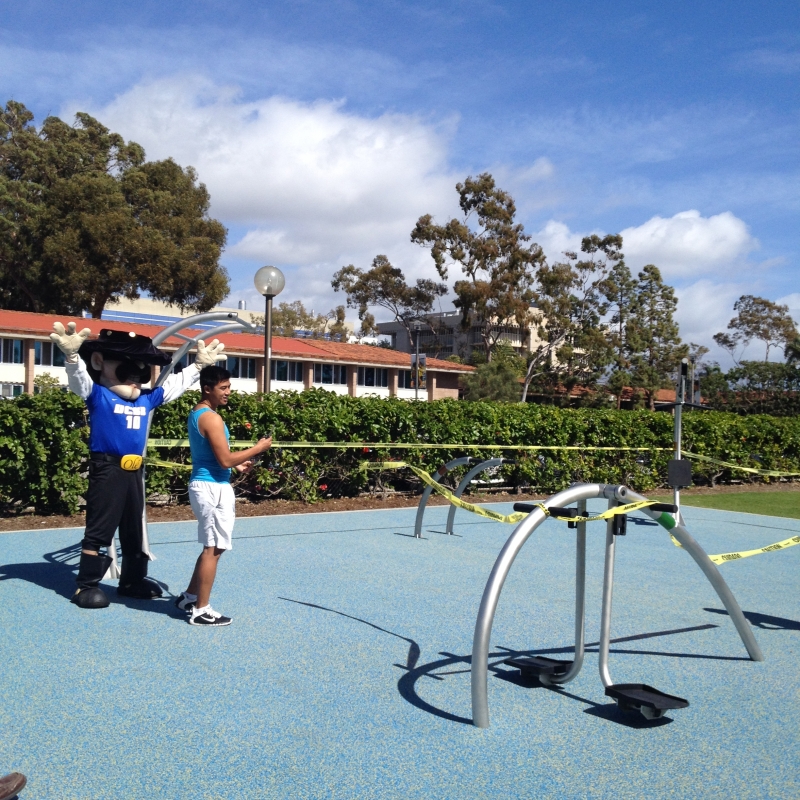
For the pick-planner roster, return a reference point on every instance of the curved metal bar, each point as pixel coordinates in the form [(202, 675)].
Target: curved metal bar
[(608, 593), (580, 604), (476, 470), (437, 476), (711, 572), (188, 322), (494, 586), (184, 348)]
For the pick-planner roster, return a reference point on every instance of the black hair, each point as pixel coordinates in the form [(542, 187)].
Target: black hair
[(211, 376)]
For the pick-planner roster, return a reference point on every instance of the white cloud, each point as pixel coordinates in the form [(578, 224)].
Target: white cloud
[(686, 246), (793, 301), (541, 170), (313, 186), (689, 244), (705, 308), (556, 238)]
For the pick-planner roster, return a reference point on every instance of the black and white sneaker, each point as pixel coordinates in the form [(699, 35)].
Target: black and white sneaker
[(208, 617), (186, 601)]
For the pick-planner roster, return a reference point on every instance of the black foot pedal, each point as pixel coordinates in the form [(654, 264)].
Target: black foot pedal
[(539, 666), (650, 702)]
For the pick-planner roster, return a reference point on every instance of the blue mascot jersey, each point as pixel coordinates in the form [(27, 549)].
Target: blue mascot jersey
[(118, 426)]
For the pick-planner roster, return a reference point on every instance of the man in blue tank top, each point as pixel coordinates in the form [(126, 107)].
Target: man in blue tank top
[(211, 493)]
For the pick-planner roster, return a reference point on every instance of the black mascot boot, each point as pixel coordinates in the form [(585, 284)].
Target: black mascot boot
[(90, 573), (133, 580)]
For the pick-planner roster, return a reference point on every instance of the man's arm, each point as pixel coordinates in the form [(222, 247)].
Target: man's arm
[(213, 428)]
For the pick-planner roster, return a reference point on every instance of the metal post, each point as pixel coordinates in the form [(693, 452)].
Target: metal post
[(267, 342), (608, 593), (676, 492), (580, 602), (416, 362)]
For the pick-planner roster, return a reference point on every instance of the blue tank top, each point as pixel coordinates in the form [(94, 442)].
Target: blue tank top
[(205, 466)]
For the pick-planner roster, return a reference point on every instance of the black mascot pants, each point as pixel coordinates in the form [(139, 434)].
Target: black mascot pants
[(115, 500)]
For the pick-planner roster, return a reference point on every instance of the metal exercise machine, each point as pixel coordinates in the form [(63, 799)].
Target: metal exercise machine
[(437, 476), (233, 324), (465, 481), (650, 702)]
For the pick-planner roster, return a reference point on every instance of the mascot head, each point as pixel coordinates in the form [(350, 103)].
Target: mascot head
[(121, 361)]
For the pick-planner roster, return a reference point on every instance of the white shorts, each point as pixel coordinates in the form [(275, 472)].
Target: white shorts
[(214, 505)]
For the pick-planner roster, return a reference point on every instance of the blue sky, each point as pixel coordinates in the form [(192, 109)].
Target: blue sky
[(324, 129)]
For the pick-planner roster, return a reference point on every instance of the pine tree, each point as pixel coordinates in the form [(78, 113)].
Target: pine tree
[(652, 334)]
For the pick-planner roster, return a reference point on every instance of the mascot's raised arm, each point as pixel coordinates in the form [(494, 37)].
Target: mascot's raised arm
[(108, 373)]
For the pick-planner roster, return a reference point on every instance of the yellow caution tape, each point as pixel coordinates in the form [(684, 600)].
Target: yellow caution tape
[(156, 462), (483, 512), (402, 445), (752, 470), (723, 558)]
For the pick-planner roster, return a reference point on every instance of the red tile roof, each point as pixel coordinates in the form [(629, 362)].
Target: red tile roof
[(24, 323)]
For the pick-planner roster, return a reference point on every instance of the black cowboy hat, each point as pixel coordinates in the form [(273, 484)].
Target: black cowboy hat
[(123, 345)]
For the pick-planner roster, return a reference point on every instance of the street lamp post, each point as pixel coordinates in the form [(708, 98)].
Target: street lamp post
[(416, 359), (269, 281)]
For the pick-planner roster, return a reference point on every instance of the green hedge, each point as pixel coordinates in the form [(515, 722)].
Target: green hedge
[(43, 446)]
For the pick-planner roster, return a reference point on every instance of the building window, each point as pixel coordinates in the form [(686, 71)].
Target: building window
[(46, 354), (373, 376), (12, 351), (10, 389), (330, 373), (291, 371), (404, 379), (241, 367), (182, 362)]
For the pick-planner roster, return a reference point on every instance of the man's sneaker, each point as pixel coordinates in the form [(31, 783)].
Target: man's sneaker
[(186, 601), (208, 617)]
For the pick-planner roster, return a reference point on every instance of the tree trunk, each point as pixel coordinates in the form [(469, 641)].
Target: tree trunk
[(97, 307)]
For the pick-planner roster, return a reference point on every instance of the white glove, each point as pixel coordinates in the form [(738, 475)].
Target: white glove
[(68, 341), (207, 356)]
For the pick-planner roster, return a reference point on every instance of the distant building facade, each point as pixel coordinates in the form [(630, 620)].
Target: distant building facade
[(297, 364), (442, 335)]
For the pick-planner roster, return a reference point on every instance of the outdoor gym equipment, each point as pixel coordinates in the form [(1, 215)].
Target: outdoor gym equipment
[(437, 476), (651, 702), (465, 481), (440, 473), (233, 324)]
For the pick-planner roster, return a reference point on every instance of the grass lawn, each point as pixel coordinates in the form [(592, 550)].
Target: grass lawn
[(774, 504)]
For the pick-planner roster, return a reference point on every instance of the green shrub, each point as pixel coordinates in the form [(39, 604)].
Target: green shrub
[(43, 446)]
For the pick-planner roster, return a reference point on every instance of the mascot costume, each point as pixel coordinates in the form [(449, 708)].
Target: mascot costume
[(109, 375)]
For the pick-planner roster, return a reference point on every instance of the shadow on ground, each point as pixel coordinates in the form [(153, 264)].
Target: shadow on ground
[(57, 574), (449, 665)]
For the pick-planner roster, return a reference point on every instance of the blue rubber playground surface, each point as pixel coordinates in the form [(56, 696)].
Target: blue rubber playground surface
[(346, 670)]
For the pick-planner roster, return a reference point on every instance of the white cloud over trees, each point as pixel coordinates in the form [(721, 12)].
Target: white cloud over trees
[(311, 186)]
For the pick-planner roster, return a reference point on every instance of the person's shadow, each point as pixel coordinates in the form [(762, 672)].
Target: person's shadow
[(56, 573)]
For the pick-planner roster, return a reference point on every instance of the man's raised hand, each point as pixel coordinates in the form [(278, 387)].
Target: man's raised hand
[(207, 355), (68, 341)]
